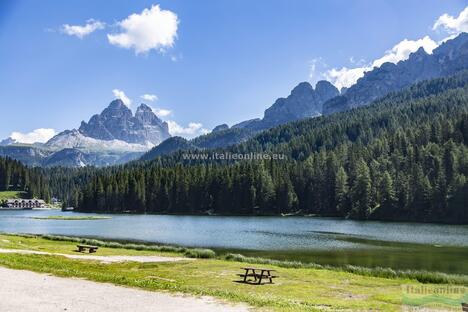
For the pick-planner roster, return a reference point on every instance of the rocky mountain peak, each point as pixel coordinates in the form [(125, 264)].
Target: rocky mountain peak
[(454, 47), (220, 128), (325, 90), (146, 115), (117, 104), (116, 109), (143, 108), (303, 102), (302, 88), (420, 53), (117, 122)]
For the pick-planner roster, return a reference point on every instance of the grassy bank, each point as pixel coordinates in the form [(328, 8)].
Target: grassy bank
[(299, 288), (4, 195), (418, 275)]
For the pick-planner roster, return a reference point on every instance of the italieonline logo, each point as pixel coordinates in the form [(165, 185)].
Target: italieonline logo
[(446, 297)]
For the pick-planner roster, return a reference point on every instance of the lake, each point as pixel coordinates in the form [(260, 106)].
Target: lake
[(433, 247)]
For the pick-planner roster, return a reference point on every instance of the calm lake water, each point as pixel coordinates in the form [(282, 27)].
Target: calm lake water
[(321, 240)]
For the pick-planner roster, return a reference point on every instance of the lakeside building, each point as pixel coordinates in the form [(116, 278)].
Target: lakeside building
[(24, 203)]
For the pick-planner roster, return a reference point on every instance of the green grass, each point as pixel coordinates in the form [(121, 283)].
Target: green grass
[(4, 195), (70, 218), (417, 275), (297, 288)]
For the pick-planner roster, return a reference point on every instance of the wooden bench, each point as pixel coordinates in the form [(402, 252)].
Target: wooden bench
[(258, 275), (83, 248), (464, 307)]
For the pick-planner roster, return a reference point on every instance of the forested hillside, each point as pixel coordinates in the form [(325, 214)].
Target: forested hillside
[(14, 176), (403, 158)]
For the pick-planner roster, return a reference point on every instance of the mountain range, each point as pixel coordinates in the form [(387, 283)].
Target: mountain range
[(447, 59), (306, 102), (116, 135)]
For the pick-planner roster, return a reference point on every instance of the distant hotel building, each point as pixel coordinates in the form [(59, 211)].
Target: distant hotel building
[(24, 203)]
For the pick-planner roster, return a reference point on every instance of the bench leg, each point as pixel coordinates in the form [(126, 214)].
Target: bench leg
[(260, 280), (245, 276)]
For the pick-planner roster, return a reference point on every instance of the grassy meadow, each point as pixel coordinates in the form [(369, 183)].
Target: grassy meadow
[(297, 288)]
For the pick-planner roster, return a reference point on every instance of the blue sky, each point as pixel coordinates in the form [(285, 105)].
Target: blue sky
[(208, 62)]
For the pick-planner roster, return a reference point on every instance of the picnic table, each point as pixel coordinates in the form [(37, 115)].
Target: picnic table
[(258, 274), (90, 248)]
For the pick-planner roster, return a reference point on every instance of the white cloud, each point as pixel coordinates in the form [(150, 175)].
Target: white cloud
[(403, 49), (451, 24), (149, 97), (82, 31), (119, 94), (192, 130), (40, 135), (151, 29), (346, 77), (161, 112)]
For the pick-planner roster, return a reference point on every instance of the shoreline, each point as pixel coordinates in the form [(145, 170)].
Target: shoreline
[(291, 215)]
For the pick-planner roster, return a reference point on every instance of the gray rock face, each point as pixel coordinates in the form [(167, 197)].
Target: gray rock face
[(324, 91), (70, 157), (447, 59), (28, 155), (303, 102), (247, 123), (220, 128), (117, 122)]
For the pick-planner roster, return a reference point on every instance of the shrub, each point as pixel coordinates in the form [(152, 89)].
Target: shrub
[(200, 253)]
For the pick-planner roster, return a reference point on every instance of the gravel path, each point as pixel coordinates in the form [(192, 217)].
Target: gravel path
[(103, 259), (25, 291)]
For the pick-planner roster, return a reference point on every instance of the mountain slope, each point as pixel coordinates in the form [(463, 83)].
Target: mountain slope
[(215, 139), (304, 101), (77, 140), (28, 155), (300, 138), (447, 59), (168, 147)]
